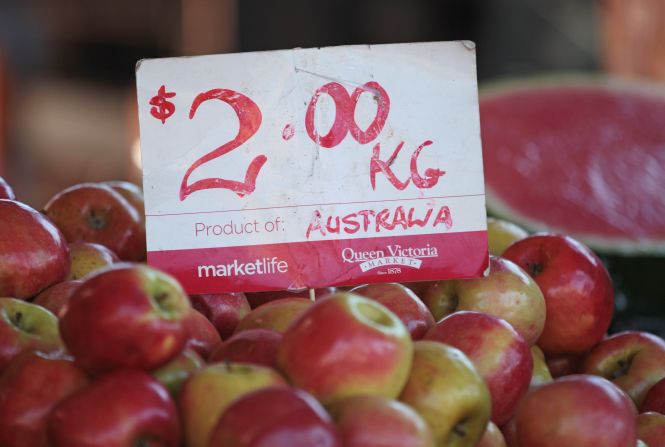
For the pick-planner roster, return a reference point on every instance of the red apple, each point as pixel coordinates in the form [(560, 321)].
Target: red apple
[(134, 195), (276, 315), (447, 391), (372, 421), (634, 361), (203, 337), (499, 353), (209, 391), (507, 293), (87, 257), (492, 437), (56, 297), (509, 431), (578, 410), (123, 408), (577, 288), (174, 373), (224, 310), (127, 316), (256, 299), (346, 345), (6, 191), (33, 253), (256, 346), (93, 212), (564, 364), (655, 398), (29, 389), (275, 417), (26, 327), (403, 302), (651, 429), (501, 234)]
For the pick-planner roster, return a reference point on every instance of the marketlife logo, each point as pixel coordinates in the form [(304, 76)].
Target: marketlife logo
[(393, 255)]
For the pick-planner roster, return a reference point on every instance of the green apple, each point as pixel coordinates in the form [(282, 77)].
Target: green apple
[(210, 390), (501, 233), (447, 391)]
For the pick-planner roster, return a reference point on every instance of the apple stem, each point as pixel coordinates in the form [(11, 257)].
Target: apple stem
[(18, 320), (458, 429)]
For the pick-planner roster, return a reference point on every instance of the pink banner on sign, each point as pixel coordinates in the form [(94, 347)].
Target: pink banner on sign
[(312, 264)]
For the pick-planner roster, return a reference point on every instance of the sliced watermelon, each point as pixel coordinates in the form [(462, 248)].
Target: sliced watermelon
[(584, 157)]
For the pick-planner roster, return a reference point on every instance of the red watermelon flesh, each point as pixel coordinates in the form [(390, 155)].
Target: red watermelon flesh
[(582, 158)]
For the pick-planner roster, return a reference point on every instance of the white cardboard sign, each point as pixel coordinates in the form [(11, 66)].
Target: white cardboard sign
[(313, 167)]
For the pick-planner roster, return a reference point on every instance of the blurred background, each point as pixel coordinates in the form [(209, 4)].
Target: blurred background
[(67, 99)]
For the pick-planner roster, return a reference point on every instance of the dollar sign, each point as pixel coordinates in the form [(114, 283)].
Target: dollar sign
[(163, 107)]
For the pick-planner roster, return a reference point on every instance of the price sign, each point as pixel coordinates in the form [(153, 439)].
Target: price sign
[(313, 167)]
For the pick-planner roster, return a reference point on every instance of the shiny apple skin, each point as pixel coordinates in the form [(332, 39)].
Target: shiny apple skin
[(492, 437), (651, 429), (29, 389), (498, 352), (26, 327), (448, 393), (373, 421), (33, 252), (56, 297), (203, 337), (632, 360), (117, 410), (508, 292), (224, 310), (655, 398), (577, 288), (93, 212), (127, 316), (345, 345), (577, 410), (6, 191), (255, 346), (134, 195), (275, 417), (402, 302), (275, 315)]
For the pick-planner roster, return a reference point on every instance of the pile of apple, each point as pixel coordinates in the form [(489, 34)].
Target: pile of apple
[(99, 349)]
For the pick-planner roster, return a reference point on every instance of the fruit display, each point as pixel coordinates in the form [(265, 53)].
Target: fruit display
[(117, 354)]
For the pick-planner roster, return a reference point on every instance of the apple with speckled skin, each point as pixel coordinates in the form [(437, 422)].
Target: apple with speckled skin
[(275, 417), (29, 389), (209, 391), (655, 398), (403, 302), (577, 288), (499, 353), (507, 293), (256, 346), (26, 327), (447, 391), (6, 191), (651, 428), (373, 421), (224, 310), (94, 212), (123, 408), (87, 257), (632, 360), (33, 253), (56, 297), (578, 410), (345, 345), (126, 316)]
